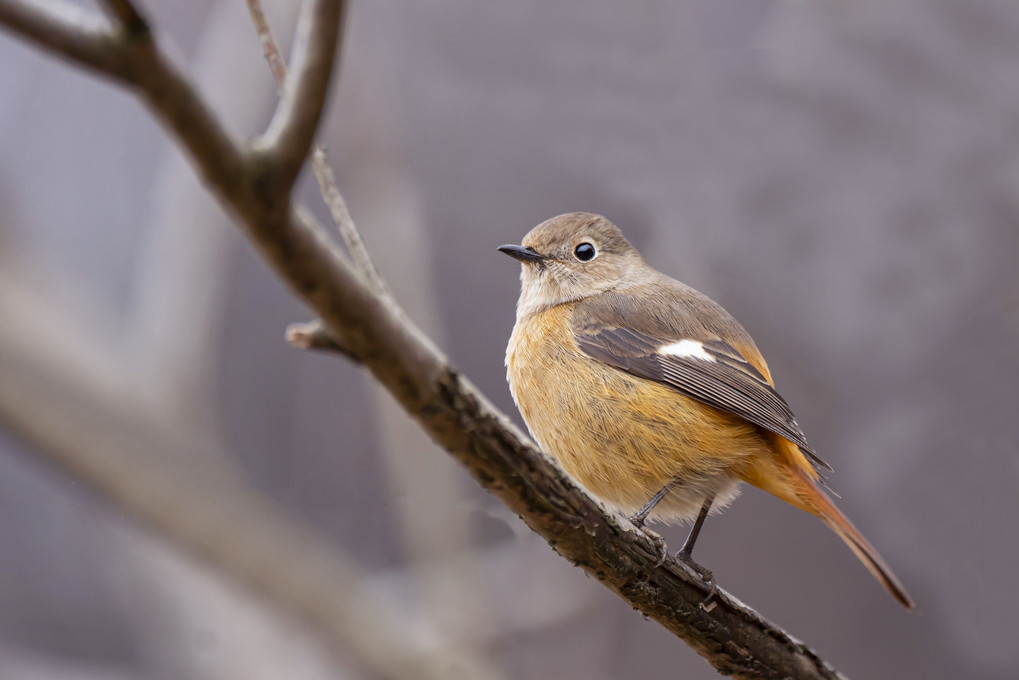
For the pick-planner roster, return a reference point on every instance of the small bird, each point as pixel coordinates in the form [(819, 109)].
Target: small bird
[(649, 394)]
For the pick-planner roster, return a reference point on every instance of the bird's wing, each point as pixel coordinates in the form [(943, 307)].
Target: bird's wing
[(689, 358)]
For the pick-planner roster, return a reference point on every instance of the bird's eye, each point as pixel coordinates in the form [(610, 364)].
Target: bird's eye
[(584, 252)]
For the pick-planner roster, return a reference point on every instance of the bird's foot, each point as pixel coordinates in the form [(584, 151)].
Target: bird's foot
[(707, 579), (663, 550), (637, 519)]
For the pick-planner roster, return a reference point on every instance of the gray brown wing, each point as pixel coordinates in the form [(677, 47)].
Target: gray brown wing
[(712, 372)]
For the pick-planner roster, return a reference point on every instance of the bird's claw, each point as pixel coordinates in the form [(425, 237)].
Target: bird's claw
[(663, 550), (659, 543), (706, 577), (637, 520)]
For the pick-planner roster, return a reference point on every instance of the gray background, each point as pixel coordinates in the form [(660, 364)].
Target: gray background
[(843, 177)]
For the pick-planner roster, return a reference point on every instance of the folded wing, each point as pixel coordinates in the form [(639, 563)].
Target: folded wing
[(709, 370)]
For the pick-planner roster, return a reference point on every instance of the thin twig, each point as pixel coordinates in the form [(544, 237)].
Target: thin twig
[(313, 335), (344, 222), (319, 163), (288, 139), (270, 48)]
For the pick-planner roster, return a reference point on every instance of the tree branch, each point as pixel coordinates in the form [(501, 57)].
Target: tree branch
[(291, 132), (270, 48), (319, 163), (343, 221), (135, 61), (66, 31), (128, 16), (732, 637)]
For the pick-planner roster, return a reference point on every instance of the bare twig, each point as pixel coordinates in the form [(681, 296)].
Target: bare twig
[(732, 637), (319, 163), (288, 139), (65, 30), (270, 48), (341, 217), (313, 335)]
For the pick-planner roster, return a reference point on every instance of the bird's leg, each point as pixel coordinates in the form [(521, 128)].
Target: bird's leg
[(685, 554), (638, 519)]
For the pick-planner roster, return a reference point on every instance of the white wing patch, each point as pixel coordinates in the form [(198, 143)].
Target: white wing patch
[(686, 348)]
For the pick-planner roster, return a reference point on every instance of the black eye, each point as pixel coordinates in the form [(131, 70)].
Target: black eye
[(584, 252)]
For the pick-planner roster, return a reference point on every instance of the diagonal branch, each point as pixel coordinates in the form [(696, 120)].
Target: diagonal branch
[(287, 141), (370, 327)]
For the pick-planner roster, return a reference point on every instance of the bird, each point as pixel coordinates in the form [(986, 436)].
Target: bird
[(649, 394)]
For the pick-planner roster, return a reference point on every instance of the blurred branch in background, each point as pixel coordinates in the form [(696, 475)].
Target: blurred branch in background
[(20, 664), (81, 410), (175, 340), (83, 428)]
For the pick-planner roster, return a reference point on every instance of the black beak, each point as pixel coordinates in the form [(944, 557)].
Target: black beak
[(521, 253)]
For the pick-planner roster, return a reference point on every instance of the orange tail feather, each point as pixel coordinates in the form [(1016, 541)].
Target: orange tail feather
[(840, 524), (796, 488)]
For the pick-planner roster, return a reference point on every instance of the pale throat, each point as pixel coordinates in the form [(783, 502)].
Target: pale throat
[(539, 292)]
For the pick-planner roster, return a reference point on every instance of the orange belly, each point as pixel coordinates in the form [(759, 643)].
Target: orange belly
[(619, 436)]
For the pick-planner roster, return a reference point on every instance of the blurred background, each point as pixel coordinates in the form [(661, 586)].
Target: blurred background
[(843, 177)]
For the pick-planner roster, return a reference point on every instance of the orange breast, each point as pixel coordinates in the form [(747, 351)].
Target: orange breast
[(622, 437)]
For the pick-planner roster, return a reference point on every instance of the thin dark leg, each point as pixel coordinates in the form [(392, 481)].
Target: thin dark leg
[(686, 551), (638, 519)]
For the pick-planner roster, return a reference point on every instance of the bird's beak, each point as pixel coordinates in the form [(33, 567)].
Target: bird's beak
[(521, 253)]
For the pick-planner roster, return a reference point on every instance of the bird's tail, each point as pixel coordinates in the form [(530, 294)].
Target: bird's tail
[(797, 488)]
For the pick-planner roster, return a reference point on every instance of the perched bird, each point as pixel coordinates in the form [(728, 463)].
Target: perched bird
[(649, 394)]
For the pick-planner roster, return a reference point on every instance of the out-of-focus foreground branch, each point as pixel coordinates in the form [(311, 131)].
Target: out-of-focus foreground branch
[(255, 183)]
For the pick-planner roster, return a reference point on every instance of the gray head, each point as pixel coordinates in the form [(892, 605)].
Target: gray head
[(571, 257)]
